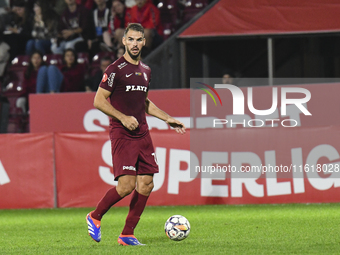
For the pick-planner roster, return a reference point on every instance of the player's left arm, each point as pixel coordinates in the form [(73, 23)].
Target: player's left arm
[(152, 109)]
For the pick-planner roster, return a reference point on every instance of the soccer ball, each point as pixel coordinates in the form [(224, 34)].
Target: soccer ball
[(177, 227)]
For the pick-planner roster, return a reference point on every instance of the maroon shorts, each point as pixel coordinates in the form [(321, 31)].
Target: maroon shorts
[(133, 157)]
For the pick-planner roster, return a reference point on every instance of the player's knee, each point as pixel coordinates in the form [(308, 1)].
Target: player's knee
[(126, 189), (146, 188)]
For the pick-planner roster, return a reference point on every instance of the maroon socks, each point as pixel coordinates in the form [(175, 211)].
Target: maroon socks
[(137, 205), (111, 197)]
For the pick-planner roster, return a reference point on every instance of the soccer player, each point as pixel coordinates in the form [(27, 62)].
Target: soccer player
[(126, 82)]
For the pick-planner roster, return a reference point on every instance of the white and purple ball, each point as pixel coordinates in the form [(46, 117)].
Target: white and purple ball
[(177, 227)]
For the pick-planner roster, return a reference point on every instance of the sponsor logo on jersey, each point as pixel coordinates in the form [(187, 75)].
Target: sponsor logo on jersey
[(128, 75), (104, 79), (129, 168), (145, 77), (111, 78), (138, 73), (136, 88), (144, 65), (120, 66)]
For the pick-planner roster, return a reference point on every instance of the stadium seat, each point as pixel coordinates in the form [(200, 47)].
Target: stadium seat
[(57, 59), (95, 65), (15, 74), (168, 30), (53, 59), (16, 70), (169, 11), (13, 88), (18, 122), (17, 119), (83, 58), (192, 7), (20, 62), (96, 58)]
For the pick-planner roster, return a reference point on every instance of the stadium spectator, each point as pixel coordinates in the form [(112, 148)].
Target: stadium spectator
[(18, 28), (92, 83), (31, 72), (120, 52), (70, 77), (4, 54), (59, 6), (101, 18), (44, 28), (30, 79), (147, 14), (75, 27), (120, 18), (132, 149), (88, 4), (228, 76)]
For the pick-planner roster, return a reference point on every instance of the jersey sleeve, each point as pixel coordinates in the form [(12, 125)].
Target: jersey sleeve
[(109, 78), (149, 81)]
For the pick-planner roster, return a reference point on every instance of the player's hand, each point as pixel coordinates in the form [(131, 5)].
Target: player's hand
[(130, 122), (177, 125)]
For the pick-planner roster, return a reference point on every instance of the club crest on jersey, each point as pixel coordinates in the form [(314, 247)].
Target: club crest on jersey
[(104, 79), (145, 77), (110, 79), (138, 73)]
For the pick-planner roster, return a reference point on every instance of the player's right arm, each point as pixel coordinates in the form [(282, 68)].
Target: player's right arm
[(101, 103)]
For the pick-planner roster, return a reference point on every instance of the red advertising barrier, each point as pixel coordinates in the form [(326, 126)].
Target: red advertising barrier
[(79, 167), (269, 165), (86, 174), (84, 168), (26, 171), (74, 112)]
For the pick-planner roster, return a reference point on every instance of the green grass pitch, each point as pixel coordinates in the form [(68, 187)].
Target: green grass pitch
[(215, 229)]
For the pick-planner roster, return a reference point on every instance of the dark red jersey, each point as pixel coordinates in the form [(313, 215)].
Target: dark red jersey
[(128, 85)]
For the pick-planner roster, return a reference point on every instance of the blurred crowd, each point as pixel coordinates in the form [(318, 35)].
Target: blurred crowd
[(51, 46)]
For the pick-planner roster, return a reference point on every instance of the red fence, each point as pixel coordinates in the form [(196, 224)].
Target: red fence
[(26, 171), (83, 168)]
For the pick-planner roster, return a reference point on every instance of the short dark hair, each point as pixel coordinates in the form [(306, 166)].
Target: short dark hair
[(135, 27)]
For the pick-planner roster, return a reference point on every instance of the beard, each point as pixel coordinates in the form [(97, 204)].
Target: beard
[(134, 57)]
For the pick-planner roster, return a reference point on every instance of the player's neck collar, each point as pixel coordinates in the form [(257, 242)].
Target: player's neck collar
[(131, 61)]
